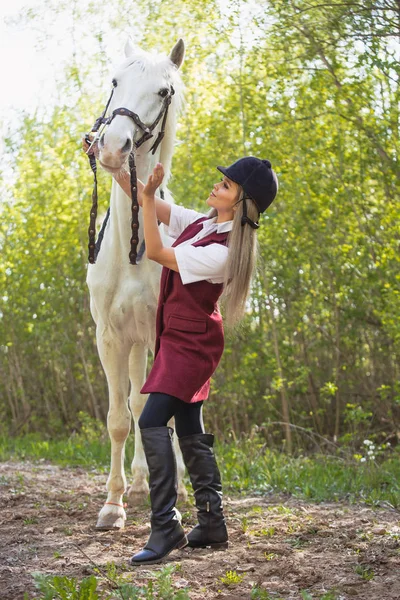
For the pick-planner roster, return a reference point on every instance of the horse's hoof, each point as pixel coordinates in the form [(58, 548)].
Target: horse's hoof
[(136, 496), (111, 518), (110, 523)]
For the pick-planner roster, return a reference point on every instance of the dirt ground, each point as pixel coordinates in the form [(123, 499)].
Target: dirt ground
[(280, 544)]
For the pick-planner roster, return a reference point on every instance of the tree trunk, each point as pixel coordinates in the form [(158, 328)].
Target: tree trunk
[(283, 392)]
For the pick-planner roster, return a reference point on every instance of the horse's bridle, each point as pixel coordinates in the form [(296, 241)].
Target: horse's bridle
[(147, 134)]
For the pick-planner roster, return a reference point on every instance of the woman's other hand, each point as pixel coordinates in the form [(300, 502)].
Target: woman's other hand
[(86, 145)]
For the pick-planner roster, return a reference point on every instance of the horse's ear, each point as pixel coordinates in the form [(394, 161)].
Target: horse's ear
[(177, 53), (129, 47)]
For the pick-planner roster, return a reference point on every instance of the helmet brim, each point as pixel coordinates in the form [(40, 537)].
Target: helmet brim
[(225, 171)]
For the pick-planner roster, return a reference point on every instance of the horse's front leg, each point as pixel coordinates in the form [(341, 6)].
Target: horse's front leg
[(139, 490), (180, 468), (114, 358)]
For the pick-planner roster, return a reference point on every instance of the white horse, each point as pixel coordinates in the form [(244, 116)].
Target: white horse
[(123, 297)]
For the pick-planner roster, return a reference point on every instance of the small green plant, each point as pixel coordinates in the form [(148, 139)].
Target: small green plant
[(366, 573), (280, 510), (297, 542), (231, 578), (56, 587), (267, 532), (20, 480), (365, 536), (57, 554), (111, 572), (258, 593), (331, 595), (270, 556), (245, 524), (257, 510), (31, 521)]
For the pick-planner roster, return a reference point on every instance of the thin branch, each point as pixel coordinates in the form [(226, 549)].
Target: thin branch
[(114, 585)]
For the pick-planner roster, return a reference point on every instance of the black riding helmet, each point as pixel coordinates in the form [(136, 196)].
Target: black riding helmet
[(258, 180)]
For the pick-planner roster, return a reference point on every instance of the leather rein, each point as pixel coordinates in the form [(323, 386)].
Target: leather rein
[(147, 133)]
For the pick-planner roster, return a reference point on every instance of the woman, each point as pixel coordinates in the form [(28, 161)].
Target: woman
[(211, 254)]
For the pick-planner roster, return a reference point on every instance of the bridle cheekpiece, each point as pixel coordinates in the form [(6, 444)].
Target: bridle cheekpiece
[(147, 132)]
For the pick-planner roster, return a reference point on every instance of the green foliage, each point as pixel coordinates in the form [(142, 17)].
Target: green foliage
[(258, 593), (89, 446), (314, 88), (366, 572), (66, 588), (247, 466), (160, 586)]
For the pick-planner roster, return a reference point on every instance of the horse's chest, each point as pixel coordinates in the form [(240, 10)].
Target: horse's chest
[(123, 302)]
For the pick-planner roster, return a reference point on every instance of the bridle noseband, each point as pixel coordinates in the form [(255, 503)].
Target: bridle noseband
[(146, 135)]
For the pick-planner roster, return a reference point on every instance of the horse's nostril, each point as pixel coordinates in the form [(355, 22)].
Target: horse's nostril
[(101, 141), (127, 146)]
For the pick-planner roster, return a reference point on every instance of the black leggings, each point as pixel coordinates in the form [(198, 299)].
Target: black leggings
[(160, 408)]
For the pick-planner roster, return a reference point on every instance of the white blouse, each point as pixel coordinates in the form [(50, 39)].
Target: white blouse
[(198, 263)]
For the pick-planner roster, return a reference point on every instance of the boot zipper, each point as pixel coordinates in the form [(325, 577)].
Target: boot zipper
[(208, 507)]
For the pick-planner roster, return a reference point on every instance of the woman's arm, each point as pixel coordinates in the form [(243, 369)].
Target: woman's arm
[(163, 209), (155, 249)]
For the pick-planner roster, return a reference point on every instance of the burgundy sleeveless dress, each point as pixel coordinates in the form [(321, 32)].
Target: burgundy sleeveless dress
[(189, 330)]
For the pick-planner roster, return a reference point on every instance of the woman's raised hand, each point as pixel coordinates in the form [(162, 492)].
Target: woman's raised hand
[(154, 181)]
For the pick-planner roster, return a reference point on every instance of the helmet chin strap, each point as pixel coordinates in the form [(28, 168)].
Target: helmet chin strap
[(245, 219)]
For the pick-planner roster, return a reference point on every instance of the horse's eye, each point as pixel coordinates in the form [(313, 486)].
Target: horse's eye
[(114, 82), (163, 92)]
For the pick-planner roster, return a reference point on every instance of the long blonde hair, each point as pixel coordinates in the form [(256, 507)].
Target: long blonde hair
[(241, 263)]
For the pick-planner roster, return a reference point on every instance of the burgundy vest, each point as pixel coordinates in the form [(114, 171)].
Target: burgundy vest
[(189, 331)]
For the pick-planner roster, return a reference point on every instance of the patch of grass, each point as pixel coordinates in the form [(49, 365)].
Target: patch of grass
[(89, 447), (247, 466), (73, 451), (160, 586)]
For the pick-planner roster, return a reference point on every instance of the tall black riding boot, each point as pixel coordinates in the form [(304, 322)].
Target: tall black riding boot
[(166, 529), (198, 455)]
